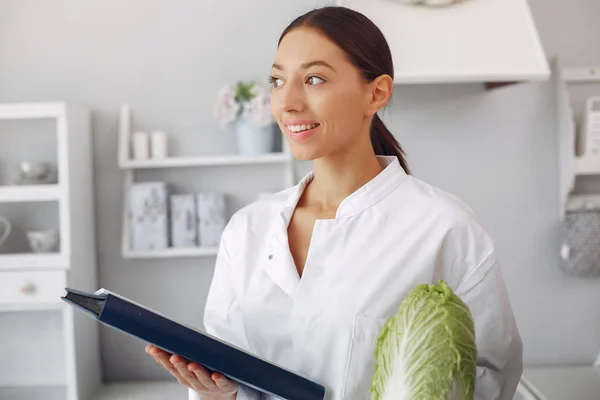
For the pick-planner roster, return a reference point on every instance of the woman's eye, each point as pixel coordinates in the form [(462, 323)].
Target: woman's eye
[(314, 80), (276, 82)]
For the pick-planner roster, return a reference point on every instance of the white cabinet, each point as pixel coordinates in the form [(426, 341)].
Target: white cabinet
[(472, 41), (46, 349)]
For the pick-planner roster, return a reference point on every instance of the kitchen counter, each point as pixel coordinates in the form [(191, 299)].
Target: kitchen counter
[(552, 383), (565, 383)]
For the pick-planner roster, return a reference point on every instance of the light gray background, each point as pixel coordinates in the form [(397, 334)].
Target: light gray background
[(496, 150)]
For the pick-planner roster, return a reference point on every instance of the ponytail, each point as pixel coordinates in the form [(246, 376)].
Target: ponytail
[(385, 144)]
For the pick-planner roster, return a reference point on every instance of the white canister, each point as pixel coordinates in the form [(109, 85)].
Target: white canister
[(141, 145), (159, 144)]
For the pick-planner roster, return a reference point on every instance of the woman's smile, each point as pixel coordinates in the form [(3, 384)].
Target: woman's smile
[(301, 129)]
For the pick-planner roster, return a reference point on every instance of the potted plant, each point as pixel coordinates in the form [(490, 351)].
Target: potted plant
[(248, 106)]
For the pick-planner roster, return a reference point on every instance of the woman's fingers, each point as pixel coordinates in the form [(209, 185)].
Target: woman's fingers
[(163, 358), (182, 368), (223, 383), (157, 353), (173, 370), (202, 375), (188, 377), (191, 374)]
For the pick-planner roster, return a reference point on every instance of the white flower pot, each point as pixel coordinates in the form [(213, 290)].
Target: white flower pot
[(254, 140)]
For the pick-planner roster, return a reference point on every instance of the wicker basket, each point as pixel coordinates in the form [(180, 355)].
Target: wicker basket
[(581, 243)]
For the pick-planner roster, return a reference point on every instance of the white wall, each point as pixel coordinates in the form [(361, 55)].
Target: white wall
[(496, 150)]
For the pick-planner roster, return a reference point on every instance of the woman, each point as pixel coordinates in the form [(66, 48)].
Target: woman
[(308, 278)]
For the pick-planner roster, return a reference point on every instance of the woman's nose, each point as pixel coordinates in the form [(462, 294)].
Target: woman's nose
[(292, 98)]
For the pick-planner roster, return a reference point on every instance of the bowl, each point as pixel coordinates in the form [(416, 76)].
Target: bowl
[(43, 241), (34, 170)]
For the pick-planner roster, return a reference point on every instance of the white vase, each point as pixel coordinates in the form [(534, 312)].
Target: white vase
[(252, 139)]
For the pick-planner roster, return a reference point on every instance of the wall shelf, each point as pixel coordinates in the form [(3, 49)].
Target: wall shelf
[(172, 252), (582, 74), (212, 160), (29, 193), (32, 110), (570, 164), (587, 166), (283, 159)]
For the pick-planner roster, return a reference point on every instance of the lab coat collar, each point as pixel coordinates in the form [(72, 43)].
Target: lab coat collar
[(281, 267), (367, 195)]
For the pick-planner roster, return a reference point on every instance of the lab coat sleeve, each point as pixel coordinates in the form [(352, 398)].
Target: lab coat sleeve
[(499, 345), (222, 314)]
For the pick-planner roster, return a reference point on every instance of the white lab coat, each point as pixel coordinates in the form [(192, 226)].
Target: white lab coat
[(391, 234)]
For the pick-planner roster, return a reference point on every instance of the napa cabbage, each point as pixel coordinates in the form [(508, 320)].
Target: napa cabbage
[(427, 350)]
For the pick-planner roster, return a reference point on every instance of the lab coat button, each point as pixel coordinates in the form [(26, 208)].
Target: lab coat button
[(270, 256)]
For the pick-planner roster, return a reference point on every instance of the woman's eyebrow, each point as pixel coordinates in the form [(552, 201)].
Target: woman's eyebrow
[(306, 65)]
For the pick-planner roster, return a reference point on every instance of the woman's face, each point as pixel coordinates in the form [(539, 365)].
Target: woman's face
[(319, 98)]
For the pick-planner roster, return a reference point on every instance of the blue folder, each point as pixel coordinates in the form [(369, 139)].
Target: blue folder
[(215, 354)]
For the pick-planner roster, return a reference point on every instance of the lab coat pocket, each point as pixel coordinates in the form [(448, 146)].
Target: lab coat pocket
[(361, 359)]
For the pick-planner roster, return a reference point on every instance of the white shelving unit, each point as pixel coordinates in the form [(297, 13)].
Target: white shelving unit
[(18, 262), (13, 194), (130, 165), (59, 348), (570, 164)]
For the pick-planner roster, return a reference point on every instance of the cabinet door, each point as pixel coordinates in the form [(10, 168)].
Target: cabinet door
[(32, 349), (28, 288)]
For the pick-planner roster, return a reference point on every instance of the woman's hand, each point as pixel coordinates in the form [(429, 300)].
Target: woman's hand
[(208, 386)]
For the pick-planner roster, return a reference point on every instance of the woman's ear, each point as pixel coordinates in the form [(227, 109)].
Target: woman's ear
[(380, 93)]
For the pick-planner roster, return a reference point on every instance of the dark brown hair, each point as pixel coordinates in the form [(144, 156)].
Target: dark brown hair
[(367, 49)]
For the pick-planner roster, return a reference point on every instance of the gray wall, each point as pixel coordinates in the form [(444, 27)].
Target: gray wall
[(496, 150)]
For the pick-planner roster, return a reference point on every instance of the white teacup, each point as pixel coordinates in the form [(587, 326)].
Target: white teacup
[(43, 241), (5, 228)]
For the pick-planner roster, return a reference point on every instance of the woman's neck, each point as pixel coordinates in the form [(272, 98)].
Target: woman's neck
[(337, 176)]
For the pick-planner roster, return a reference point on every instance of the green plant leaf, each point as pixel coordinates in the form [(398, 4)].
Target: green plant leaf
[(243, 91)]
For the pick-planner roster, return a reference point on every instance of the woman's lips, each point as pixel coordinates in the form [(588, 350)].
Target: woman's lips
[(301, 129), (303, 135)]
